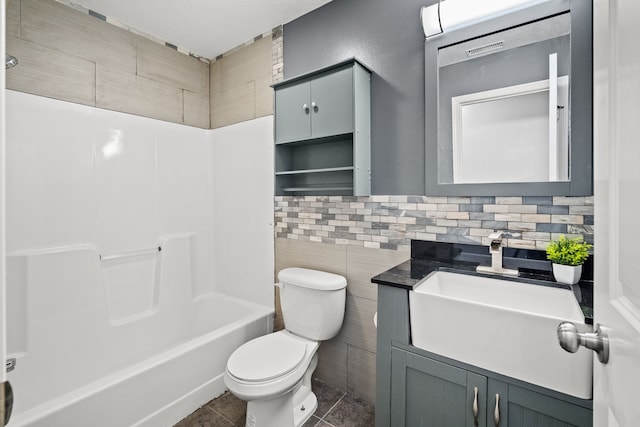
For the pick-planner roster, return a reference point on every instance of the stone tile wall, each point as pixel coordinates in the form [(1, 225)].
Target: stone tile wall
[(390, 222), (77, 55), (241, 83), (277, 54)]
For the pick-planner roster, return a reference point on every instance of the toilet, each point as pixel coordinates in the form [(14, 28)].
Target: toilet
[(273, 372)]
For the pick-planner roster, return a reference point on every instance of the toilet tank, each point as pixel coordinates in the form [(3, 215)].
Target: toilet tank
[(312, 302)]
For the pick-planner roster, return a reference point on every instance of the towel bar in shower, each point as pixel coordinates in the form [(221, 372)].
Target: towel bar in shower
[(129, 254)]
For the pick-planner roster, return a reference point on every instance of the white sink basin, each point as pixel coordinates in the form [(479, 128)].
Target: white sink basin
[(503, 326)]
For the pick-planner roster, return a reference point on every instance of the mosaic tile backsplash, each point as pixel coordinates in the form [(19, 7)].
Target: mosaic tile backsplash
[(390, 222)]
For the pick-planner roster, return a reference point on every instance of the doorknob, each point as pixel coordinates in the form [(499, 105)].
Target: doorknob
[(570, 339), (8, 402)]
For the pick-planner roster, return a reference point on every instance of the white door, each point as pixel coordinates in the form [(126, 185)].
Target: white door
[(3, 354), (617, 209)]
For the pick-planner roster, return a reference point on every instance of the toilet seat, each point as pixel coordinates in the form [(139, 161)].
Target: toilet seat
[(266, 358), (249, 376)]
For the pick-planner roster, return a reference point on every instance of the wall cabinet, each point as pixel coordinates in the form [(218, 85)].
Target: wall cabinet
[(323, 132)]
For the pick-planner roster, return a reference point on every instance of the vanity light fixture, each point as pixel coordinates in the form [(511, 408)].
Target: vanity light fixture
[(448, 15)]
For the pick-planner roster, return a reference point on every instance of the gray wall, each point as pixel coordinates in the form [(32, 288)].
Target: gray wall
[(387, 36)]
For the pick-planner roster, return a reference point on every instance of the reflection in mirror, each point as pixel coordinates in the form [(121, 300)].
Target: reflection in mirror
[(504, 105)]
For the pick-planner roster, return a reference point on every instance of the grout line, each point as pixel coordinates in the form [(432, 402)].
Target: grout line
[(324, 424), (221, 416), (318, 420), (333, 407)]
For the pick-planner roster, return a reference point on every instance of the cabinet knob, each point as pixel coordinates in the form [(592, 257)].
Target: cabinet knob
[(305, 108), (314, 106)]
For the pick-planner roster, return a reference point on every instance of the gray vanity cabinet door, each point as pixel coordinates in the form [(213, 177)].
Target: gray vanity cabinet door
[(332, 103), (530, 409), (429, 393), (293, 112)]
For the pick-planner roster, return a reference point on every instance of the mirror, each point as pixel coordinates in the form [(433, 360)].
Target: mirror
[(508, 104)]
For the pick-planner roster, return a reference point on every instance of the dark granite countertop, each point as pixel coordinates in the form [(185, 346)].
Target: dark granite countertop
[(427, 257)]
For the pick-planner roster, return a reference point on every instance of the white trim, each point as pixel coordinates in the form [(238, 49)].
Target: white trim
[(459, 102)]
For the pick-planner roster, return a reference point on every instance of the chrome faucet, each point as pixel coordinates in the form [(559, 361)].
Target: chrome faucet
[(495, 249)]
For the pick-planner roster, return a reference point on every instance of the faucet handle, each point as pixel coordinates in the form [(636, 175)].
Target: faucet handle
[(496, 235), (503, 235), (509, 235)]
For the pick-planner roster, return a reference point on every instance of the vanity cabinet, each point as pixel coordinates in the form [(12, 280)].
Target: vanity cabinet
[(418, 388), (323, 132), (426, 392)]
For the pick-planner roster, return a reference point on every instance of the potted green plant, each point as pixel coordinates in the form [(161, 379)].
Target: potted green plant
[(567, 256)]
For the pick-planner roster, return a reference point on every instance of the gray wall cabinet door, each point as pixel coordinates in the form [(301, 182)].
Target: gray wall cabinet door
[(317, 108), (428, 393), (332, 104), (293, 118)]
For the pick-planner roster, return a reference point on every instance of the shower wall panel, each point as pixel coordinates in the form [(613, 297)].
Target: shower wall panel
[(116, 181)]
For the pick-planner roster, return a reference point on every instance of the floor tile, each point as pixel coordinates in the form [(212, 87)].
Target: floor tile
[(230, 407), (327, 396), (351, 412), (336, 408), (204, 417), (311, 422)]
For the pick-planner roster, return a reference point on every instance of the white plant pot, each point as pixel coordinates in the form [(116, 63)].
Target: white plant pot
[(568, 274)]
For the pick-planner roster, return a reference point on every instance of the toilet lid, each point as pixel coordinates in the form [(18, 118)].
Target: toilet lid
[(266, 357)]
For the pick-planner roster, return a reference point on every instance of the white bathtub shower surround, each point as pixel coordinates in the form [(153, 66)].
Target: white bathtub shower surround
[(78, 175), (141, 335), (78, 367), (243, 182)]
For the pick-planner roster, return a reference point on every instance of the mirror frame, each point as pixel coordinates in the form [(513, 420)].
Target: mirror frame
[(581, 98)]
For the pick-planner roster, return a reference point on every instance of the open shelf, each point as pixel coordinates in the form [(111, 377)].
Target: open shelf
[(345, 187), (312, 140), (321, 170)]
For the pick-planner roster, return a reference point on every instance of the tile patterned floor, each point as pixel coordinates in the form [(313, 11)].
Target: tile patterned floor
[(335, 409)]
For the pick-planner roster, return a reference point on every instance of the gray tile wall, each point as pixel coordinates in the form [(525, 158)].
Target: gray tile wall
[(277, 54), (76, 56), (241, 83), (390, 222)]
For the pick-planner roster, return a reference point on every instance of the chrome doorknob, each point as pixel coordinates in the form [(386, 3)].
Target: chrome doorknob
[(570, 340)]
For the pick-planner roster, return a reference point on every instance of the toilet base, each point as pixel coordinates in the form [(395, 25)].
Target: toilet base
[(280, 411), (291, 409)]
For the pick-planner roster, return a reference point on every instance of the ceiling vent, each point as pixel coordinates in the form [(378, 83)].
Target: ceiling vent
[(475, 51)]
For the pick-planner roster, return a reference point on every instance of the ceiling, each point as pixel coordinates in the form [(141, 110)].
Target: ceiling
[(204, 27)]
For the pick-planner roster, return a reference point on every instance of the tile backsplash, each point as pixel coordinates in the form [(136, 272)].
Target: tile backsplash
[(390, 222)]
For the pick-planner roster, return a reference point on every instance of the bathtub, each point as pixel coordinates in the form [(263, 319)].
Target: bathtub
[(94, 350)]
